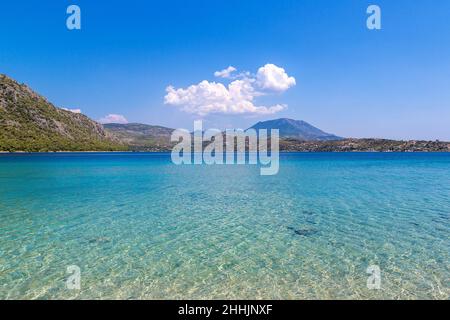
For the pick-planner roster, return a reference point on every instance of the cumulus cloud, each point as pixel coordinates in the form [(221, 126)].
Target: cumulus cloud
[(274, 78), (72, 110), (225, 73), (113, 118), (235, 98)]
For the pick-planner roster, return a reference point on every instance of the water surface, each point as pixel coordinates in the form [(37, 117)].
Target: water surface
[(140, 227)]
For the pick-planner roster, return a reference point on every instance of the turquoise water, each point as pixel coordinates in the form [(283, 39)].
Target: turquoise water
[(140, 227)]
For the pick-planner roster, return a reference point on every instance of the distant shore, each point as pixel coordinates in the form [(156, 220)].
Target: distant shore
[(92, 151), (169, 151), (289, 145)]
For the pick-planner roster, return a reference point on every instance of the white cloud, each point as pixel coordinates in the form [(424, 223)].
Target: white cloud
[(113, 118), (271, 77), (72, 110), (225, 73), (235, 98), (212, 97)]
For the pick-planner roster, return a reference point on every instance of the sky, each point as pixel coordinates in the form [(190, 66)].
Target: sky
[(167, 62)]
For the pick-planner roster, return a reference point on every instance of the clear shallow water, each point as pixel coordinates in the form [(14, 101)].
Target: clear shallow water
[(140, 227)]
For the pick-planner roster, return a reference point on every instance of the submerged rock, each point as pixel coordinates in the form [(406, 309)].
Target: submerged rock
[(100, 240), (312, 221), (304, 231)]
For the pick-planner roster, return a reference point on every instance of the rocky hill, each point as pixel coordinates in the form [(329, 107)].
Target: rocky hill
[(142, 137), (28, 122), (296, 129)]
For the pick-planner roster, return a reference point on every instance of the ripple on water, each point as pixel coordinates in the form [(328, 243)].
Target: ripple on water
[(141, 228)]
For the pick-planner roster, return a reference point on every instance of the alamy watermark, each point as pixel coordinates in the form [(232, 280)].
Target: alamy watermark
[(73, 282), (374, 20), (233, 146), (374, 280), (73, 21)]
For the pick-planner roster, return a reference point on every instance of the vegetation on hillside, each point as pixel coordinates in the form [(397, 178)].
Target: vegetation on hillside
[(364, 145), (28, 122), (142, 137)]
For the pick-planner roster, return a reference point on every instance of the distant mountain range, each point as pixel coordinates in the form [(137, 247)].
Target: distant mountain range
[(296, 129), (147, 137), (142, 137), (28, 122)]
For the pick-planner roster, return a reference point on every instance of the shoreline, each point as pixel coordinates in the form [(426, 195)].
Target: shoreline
[(168, 151)]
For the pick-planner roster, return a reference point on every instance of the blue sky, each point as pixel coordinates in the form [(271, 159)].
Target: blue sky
[(392, 83)]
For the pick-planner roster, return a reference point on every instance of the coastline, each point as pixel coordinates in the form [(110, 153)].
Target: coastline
[(92, 151), (169, 151), (288, 145)]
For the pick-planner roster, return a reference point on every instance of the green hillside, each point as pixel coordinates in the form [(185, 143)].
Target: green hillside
[(28, 122), (142, 137)]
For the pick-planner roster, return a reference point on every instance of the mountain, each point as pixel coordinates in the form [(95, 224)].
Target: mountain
[(296, 129), (28, 122), (142, 137)]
